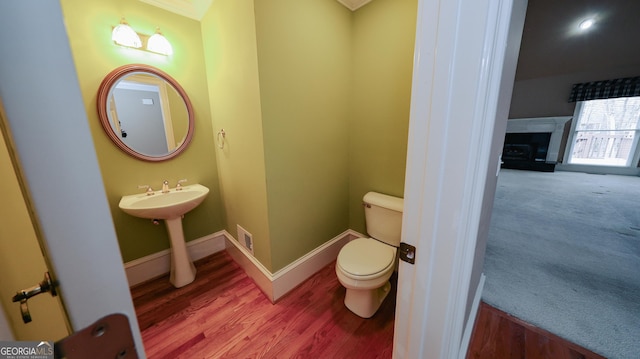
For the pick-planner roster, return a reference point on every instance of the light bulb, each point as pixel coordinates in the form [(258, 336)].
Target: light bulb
[(159, 44), (586, 24), (124, 35)]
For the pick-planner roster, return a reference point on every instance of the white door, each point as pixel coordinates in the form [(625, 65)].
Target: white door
[(47, 121), (464, 68), (19, 245)]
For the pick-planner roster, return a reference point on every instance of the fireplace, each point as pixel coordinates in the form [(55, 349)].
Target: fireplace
[(527, 151), (533, 143)]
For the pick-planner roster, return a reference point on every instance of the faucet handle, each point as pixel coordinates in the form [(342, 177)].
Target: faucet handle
[(149, 189), (180, 182)]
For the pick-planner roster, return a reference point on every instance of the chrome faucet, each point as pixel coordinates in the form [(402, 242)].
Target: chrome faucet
[(165, 186)]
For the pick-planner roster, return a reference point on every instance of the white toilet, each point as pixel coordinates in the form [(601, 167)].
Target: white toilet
[(365, 265)]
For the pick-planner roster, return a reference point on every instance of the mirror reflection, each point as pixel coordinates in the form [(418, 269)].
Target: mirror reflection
[(145, 112)]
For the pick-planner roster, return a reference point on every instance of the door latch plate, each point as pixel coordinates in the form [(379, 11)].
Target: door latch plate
[(407, 253)]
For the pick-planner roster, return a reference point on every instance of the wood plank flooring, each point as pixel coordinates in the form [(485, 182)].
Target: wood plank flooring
[(223, 314)]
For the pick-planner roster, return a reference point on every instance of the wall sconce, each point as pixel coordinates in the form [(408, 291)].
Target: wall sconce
[(159, 44), (124, 35)]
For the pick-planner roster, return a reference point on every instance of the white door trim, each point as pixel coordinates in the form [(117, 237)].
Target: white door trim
[(457, 85), (6, 333), (47, 119)]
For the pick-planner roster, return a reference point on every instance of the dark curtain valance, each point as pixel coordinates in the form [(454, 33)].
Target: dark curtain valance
[(627, 87)]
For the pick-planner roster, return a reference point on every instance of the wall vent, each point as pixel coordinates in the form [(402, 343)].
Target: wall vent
[(245, 238)]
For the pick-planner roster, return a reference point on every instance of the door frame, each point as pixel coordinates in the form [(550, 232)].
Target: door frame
[(444, 183), (49, 128), (6, 333), (464, 69)]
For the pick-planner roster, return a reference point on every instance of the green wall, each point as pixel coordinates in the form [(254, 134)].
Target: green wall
[(304, 57), (280, 87), (89, 24), (314, 100), (229, 36), (383, 42)]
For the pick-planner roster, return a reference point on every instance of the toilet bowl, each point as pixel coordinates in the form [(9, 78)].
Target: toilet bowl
[(364, 267)]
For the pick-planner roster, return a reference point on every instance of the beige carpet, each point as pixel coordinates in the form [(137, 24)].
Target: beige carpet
[(564, 254)]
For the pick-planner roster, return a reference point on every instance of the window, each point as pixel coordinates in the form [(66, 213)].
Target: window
[(606, 132)]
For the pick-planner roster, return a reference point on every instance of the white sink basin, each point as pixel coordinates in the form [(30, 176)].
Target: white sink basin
[(170, 207), (164, 205)]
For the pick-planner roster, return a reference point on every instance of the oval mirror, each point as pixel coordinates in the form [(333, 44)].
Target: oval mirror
[(145, 112)]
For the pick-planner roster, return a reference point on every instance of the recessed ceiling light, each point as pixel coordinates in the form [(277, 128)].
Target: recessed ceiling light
[(586, 24)]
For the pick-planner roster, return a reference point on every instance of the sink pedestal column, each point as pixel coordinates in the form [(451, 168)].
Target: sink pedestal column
[(183, 271)]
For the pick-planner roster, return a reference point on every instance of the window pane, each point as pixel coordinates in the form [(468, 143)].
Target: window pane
[(609, 148), (610, 114), (605, 132)]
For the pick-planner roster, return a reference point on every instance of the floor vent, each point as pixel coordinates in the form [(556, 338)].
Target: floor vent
[(245, 238)]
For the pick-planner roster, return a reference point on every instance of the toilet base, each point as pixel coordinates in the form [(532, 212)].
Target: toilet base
[(365, 303)]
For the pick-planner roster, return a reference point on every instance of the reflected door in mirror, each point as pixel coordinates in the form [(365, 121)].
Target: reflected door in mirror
[(145, 112)]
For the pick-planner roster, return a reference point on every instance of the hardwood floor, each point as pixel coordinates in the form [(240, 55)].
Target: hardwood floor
[(223, 314), (500, 335)]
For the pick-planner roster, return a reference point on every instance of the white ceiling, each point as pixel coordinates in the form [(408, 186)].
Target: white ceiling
[(195, 9)]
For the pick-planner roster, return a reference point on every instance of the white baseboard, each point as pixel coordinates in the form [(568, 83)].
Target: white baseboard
[(157, 264), (611, 170), (251, 266), (468, 330), (297, 272), (276, 285)]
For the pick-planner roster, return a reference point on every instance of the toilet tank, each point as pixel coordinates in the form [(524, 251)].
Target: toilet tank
[(383, 214)]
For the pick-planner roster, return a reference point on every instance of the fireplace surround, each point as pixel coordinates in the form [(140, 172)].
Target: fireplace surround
[(533, 143)]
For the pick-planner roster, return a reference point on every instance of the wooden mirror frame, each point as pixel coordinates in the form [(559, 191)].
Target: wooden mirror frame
[(103, 113)]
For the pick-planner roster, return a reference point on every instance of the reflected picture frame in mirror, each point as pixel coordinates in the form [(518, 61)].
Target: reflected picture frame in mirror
[(145, 112)]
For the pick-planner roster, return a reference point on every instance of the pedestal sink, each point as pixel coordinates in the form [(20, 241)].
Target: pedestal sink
[(170, 207)]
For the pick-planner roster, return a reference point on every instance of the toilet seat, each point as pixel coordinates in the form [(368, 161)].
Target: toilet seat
[(366, 258)]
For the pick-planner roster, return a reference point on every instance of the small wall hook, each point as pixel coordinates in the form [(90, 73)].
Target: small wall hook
[(221, 137)]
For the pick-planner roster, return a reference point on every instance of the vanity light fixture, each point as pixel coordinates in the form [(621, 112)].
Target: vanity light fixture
[(159, 44), (124, 35)]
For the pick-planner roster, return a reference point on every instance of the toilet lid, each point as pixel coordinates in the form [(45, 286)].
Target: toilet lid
[(365, 256)]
